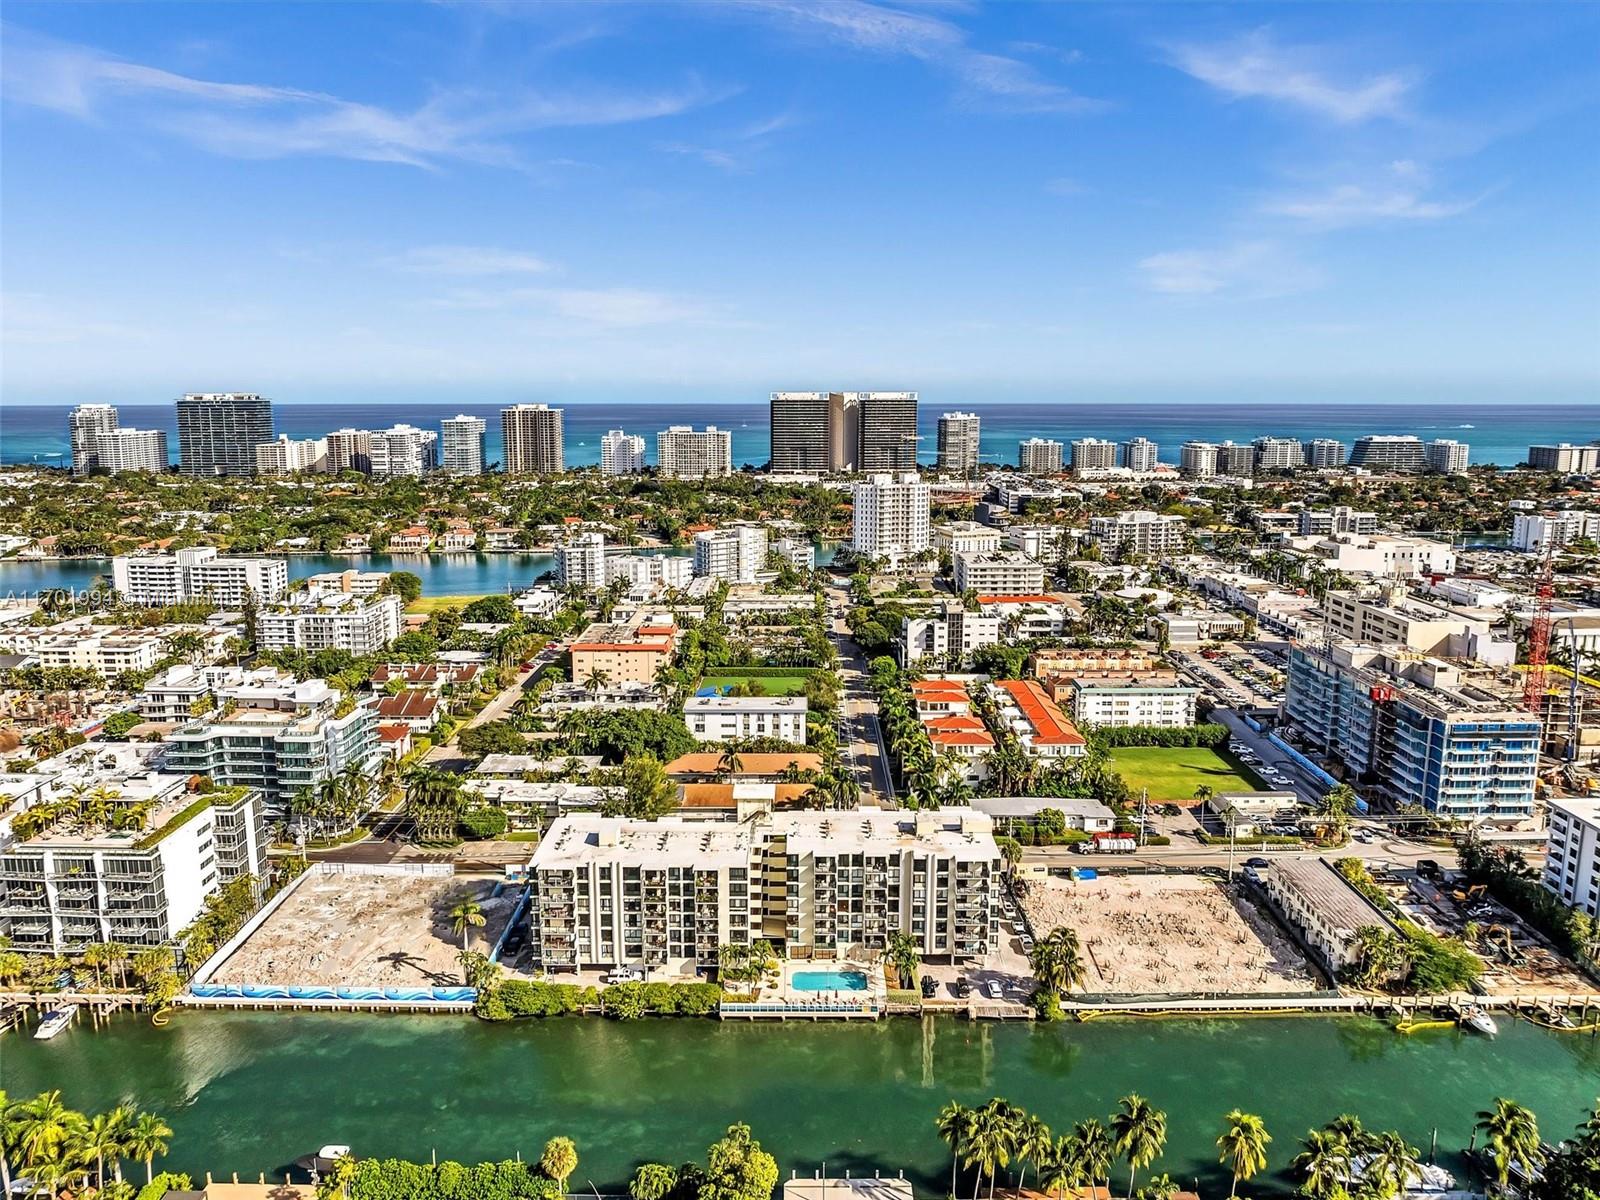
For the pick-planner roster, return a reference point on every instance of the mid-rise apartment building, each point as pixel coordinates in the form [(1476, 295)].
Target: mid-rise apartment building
[(1131, 698), (965, 537), (1139, 531), (1339, 519), (532, 437), (619, 652), (1139, 454), (330, 621), (85, 424), (291, 456), (1566, 458), (581, 562), (999, 573), (350, 450), (683, 452), (1236, 460), (1324, 453), (731, 718), (621, 453), (1446, 456), (1043, 730), (1541, 532), (1405, 725), (1572, 853), (463, 444), (891, 516), (1278, 453), (218, 432), (609, 891), (158, 580), (1197, 460), (1391, 616), (958, 442), (121, 449), (1039, 456), (737, 553), (1093, 454)]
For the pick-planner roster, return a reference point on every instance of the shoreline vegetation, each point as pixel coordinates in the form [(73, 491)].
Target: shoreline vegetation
[(49, 1149)]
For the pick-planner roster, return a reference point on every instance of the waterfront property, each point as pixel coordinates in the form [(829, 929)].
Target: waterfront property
[(1323, 909)]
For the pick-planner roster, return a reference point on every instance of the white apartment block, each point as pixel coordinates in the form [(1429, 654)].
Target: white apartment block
[(683, 452), (290, 456), (1042, 542), (109, 654), (800, 553), (726, 718), (1325, 452), (1539, 533), (1339, 519), (1093, 454), (1140, 454), (581, 562), (356, 583), (85, 424), (958, 442), (948, 631), (1039, 456), (891, 516), (156, 580), (1572, 853), (403, 450), (117, 450), (1132, 699), (462, 444), (737, 553), (175, 693), (1278, 453), (337, 622), (1566, 458), (350, 450), (1394, 617), (1198, 460), (646, 570), (1380, 555), (621, 453), (1140, 531), (1002, 573), (965, 537), (610, 891), (1446, 456)]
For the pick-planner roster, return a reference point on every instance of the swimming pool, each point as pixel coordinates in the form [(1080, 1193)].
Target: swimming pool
[(828, 981)]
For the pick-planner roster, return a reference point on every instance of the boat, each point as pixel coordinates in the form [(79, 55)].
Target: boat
[(1479, 1021), (55, 1021), (1424, 1179), (322, 1161)]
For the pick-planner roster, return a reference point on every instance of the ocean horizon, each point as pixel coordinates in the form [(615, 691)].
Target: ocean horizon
[(1497, 433)]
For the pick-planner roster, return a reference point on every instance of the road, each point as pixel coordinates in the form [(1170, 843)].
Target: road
[(860, 740), (1308, 788), (1192, 856), (507, 696)]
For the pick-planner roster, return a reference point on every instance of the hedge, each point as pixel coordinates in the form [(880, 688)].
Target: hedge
[(624, 1001), (1205, 734), (396, 1179)]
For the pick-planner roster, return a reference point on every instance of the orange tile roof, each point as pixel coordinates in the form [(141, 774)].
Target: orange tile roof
[(937, 686), (1050, 725), (1031, 598), (956, 722), (706, 762), (720, 795), (941, 738)]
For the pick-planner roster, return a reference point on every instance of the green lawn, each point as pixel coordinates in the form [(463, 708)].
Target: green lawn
[(771, 685), (1173, 772)]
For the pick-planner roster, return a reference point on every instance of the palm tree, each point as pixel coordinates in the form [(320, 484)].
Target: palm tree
[(1242, 1146), (8, 1116), (97, 1137), (466, 915), (1139, 1131), (1203, 793), (955, 1124), (1324, 1164), (147, 1138), (1034, 1144), (1062, 1168), (1511, 1136), (559, 1160), (1392, 1165), (730, 763), (1095, 1151), (993, 1138), (596, 680)]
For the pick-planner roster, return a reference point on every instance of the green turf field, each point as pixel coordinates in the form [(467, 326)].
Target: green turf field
[(771, 685), (1173, 772)]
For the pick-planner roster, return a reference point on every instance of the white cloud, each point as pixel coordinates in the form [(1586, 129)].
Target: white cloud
[(247, 120), (984, 78), (1353, 204), (723, 160), (1256, 66), (469, 260), (1249, 270)]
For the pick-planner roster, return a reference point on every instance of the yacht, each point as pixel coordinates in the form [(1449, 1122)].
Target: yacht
[(1479, 1021), (55, 1021)]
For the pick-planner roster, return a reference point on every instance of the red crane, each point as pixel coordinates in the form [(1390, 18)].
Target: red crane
[(1533, 685)]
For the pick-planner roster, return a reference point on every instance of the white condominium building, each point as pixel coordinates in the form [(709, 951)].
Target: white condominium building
[(891, 516), (330, 621), (1039, 456), (609, 891), (1140, 454), (1093, 454), (1572, 853), (1538, 533), (85, 424), (288, 456), (581, 562), (1446, 456), (686, 453), (966, 537), (736, 554), (621, 453), (350, 450), (725, 718), (1140, 531), (1278, 453), (157, 580), (117, 450), (462, 444), (1566, 458), (403, 450), (1198, 460), (1132, 698), (958, 442), (533, 439), (999, 573), (1324, 452), (800, 553), (1339, 519)]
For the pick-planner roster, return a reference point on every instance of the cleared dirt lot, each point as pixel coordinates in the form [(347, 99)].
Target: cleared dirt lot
[(369, 930), (1169, 933)]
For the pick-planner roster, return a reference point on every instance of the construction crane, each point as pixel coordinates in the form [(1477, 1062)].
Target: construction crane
[(1533, 684)]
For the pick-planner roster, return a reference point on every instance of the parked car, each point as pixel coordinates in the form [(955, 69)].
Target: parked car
[(1027, 942), (622, 975), (1257, 863), (963, 988), (993, 990), (929, 986)]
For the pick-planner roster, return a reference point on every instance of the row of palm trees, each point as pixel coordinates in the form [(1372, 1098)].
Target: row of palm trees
[(83, 808), (59, 1148)]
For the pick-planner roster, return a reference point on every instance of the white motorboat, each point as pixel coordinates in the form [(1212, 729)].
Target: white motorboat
[(1479, 1021), (55, 1021)]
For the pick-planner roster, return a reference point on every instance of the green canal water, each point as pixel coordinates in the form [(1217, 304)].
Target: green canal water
[(251, 1092)]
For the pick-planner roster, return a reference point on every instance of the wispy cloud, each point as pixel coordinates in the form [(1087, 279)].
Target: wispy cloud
[(1257, 66), (469, 260), (1245, 270), (983, 78), (1398, 194), (251, 120), (1064, 186), (739, 150)]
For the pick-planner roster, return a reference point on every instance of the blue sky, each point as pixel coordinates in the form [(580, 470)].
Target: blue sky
[(590, 201)]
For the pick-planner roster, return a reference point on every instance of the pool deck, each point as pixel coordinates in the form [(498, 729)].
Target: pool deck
[(781, 1000)]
